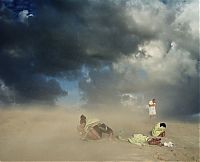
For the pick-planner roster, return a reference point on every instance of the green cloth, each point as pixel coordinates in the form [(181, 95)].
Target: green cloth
[(157, 130), (138, 139)]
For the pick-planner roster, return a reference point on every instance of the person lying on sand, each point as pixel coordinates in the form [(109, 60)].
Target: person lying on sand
[(159, 130), (140, 139), (93, 129)]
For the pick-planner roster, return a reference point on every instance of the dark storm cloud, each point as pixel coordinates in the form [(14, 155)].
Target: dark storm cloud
[(24, 83), (61, 37)]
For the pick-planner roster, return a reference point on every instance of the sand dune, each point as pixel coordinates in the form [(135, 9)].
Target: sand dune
[(50, 134)]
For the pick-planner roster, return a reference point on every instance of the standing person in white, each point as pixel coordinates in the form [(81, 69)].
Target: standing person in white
[(152, 108)]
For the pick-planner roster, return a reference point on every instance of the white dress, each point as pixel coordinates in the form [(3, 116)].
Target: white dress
[(152, 108)]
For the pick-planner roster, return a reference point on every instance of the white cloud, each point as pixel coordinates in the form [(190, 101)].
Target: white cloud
[(189, 16), (162, 67)]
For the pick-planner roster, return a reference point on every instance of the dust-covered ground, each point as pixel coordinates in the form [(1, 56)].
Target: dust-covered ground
[(50, 134)]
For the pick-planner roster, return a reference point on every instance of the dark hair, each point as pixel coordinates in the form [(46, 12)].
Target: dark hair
[(163, 125), (82, 119), (83, 116)]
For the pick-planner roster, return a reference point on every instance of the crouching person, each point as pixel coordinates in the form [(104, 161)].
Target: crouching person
[(93, 129), (159, 130)]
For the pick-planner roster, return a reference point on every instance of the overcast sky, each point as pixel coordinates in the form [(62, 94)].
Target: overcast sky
[(108, 47)]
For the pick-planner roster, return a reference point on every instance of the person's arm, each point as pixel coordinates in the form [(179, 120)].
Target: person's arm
[(162, 134), (150, 103), (81, 130)]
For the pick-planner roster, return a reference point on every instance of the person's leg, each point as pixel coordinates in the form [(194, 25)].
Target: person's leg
[(111, 135), (105, 129), (93, 135), (151, 113)]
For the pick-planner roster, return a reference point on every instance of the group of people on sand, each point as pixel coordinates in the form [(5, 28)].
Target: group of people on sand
[(93, 129)]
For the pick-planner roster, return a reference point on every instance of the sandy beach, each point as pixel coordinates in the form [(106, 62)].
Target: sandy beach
[(50, 134)]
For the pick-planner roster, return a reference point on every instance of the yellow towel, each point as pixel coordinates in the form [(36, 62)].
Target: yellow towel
[(138, 139)]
